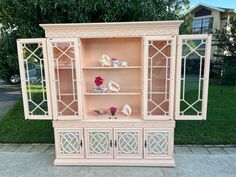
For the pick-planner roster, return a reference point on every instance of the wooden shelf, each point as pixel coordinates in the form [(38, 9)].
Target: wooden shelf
[(121, 92), (162, 67), (64, 66), (66, 94), (120, 117), (111, 68)]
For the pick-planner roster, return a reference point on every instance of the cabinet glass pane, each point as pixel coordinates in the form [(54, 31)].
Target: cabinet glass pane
[(159, 54), (65, 78), (192, 76), (33, 60)]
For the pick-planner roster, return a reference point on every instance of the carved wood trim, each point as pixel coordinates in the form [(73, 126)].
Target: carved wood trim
[(125, 29)]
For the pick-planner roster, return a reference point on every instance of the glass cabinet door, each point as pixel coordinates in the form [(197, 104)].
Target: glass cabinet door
[(192, 76), (33, 64), (65, 72), (159, 62)]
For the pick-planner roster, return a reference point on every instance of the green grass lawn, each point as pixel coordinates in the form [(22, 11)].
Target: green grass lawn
[(219, 128), (15, 129)]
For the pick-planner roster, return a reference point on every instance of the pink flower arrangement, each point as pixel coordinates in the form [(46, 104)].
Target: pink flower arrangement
[(98, 81), (113, 110)]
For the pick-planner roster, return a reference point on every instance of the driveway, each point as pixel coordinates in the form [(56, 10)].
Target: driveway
[(9, 94), (36, 160)]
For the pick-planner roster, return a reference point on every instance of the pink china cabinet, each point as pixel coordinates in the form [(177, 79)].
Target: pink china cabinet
[(160, 77)]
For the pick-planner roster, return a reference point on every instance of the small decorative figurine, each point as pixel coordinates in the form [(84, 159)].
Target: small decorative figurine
[(105, 60), (100, 111), (113, 112), (115, 63), (113, 86), (98, 81), (124, 63), (126, 110)]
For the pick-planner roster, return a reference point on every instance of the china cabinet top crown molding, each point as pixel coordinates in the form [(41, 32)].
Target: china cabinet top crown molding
[(112, 29)]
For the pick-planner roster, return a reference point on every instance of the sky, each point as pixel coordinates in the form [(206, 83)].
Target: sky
[(217, 3)]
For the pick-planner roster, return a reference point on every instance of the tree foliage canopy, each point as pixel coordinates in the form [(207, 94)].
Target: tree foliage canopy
[(226, 39), (226, 43), (21, 18)]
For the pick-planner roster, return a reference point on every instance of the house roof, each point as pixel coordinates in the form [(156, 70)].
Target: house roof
[(221, 9)]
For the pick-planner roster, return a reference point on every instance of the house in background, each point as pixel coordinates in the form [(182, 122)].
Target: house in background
[(206, 19)]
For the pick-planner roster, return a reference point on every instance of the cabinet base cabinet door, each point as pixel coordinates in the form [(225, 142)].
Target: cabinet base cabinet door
[(69, 143), (158, 144), (99, 143), (128, 143)]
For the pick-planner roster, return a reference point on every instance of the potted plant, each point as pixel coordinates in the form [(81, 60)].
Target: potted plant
[(98, 82)]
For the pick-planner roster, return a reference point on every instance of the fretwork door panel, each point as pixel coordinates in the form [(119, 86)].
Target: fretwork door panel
[(33, 63), (69, 143), (128, 143), (99, 143), (65, 71), (158, 143), (159, 70), (192, 77)]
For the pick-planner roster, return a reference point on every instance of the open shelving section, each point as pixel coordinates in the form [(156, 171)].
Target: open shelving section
[(129, 77)]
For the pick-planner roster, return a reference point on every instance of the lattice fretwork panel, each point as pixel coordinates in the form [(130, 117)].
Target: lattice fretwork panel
[(192, 76), (99, 143), (35, 81), (128, 143), (157, 143), (70, 143), (159, 56), (65, 78)]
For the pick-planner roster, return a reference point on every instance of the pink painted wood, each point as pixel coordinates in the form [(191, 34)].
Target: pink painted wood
[(150, 84)]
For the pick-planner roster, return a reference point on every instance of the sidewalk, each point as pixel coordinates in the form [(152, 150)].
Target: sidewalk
[(36, 160)]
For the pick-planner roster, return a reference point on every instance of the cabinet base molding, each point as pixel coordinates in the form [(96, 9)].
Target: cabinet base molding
[(115, 162)]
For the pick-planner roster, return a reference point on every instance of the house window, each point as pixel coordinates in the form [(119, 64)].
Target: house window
[(202, 26)]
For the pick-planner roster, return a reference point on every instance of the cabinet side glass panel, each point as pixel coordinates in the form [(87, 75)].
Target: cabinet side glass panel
[(159, 56), (36, 88), (192, 76), (65, 78)]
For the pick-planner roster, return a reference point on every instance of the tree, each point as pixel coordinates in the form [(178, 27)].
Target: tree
[(226, 43), (21, 18), (186, 26)]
